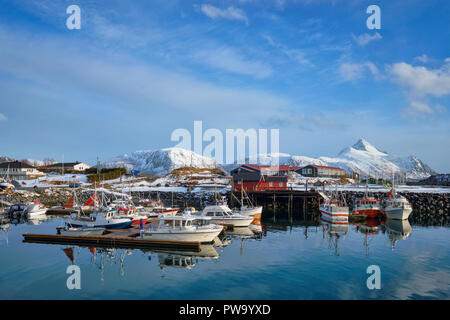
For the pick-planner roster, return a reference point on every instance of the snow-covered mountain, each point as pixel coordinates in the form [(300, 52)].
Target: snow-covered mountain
[(362, 157), (5, 159), (414, 167), (160, 161)]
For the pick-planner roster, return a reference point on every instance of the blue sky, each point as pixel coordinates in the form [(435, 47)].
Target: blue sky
[(137, 70)]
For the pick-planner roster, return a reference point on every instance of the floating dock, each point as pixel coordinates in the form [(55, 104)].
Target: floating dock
[(126, 239)]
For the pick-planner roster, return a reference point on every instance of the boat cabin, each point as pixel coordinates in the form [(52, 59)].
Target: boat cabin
[(216, 211)]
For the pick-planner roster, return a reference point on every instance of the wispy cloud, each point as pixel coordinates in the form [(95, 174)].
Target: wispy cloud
[(229, 60), (297, 55), (231, 13), (422, 58), (354, 71), (366, 38), (3, 117)]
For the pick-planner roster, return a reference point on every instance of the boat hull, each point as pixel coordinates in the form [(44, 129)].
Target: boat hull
[(397, 213), (183, 236), (235, 222), (255, 212), (370, 213), (36, 213), (111, 225), (82, 232), (334, 217), (137, 222)]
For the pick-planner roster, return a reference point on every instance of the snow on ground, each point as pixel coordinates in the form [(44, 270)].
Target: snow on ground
[(375, 188), (51, 180)]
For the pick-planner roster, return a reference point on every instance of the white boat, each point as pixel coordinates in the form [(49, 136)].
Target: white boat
[(101, 219), (254, 212), (333, 210), (222, 214), (250, 209), (80, 231), (6, 185), (185, 228), (396, 206), (34, 210)]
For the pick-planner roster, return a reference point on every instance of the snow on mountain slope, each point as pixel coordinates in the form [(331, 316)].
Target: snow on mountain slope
[(160, 161), (5, 159), (362, 157), (414, 167)]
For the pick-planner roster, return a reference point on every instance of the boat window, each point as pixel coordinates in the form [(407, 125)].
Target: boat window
[(210, 214), (219, 214)]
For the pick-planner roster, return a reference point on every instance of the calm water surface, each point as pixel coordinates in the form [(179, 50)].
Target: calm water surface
[(282, 262)]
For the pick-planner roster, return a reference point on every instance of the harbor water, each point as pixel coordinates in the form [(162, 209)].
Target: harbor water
[(274, 260)]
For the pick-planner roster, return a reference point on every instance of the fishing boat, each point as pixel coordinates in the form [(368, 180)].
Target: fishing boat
[(15, 211), (80, 231), (35, 209), (222, 214), (249, 209), (368, 206), (6, 185), (396, 206), (102, 219), (182, 228), (334, 210), (126, 209)]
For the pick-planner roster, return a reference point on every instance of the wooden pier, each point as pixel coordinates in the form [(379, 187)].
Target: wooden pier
[(294, 203), (126, 239)]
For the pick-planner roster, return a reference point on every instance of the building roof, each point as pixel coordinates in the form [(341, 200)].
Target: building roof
[(65, 164), (15, 165), (258, 168)]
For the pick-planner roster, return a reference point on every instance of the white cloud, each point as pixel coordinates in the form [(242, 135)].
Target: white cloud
[(353, 71), (3, 117), (366, 38), (231, 13), (423, 58), (228, 60), (421, 81)]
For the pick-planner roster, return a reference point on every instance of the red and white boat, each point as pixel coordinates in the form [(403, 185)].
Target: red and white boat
[(334, 211), (166, 211), (368, 206)]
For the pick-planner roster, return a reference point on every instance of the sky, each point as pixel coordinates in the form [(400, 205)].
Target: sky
[(137, 70)]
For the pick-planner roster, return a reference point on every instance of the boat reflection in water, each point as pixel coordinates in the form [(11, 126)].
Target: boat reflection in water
[(185, 259), (334, 231), (397, 230), (370, 227)]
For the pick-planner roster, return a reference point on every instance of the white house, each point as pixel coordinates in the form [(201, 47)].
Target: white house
[(17, 170)]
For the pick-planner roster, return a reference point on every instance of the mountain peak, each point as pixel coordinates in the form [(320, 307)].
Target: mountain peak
[(364, 146)]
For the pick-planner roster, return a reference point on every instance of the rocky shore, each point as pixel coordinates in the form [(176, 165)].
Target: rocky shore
[(429, 208)]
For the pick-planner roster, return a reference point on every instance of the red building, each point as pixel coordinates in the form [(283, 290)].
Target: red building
[(260, 178)]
